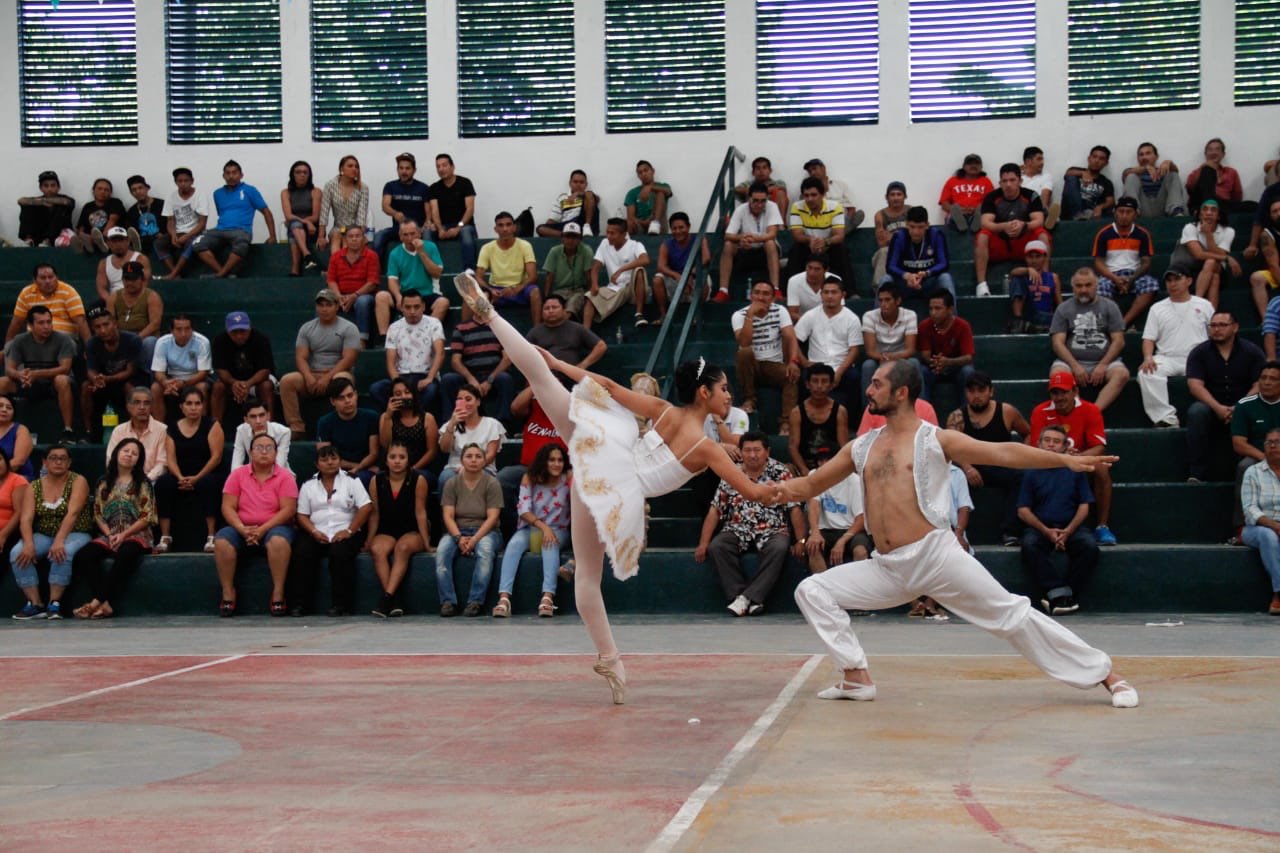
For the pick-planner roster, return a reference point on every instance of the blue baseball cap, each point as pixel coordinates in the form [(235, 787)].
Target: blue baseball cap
[(238, 321)]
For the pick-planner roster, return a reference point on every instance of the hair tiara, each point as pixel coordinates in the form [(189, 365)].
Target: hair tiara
[(702, 364)]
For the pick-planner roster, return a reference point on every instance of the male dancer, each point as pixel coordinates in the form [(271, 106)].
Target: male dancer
[(906, 489)]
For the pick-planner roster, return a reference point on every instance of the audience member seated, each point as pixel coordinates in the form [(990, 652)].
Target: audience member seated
[(567, 270), (1086, 192), (145, 220), (963, 193), (762, 173), (817, 227), (1054, 504), (414, 264), (837, 191), (888, 220), (888, 333), (1205, 249), (13, 490), (1266, 281), (646, 204), (819, 424), (182, 359), (1263, 217), (767, 351), (1037, 179), (1122, 256), (188, 218), (985, 418), (415, 353), (259, 502), (579, 206), (478, 361), (751, 240), (1220, 372), (918, 261), (354, 274), (834, 335), (333, 509), (300, 202), (16, 443), (804, 289), (1087, 335), (257, 421), (326, 349), (1253, 417), (1155, 183), (98, 216), (471, 503), (111, 369), (110, 278), (124, 510), (1173, 329), (1034, 291), (565, 339), (353, 430), (45, 219), (1212, 180), (538, 431), (236, 203), (344, 203), (453, 210), (1261, 497), (145, 429), (243, 366), (543, 508), (59, 297), (404, 422), (924, 411), (1086, 435), (673, 257), (54, 522), (1011, 218), (37, 366), (194, 445), (398, 527), (624, 263), (508, 270), (466, 425), (837, 526), (945, 343), (138, 310), (406, 199), (736, 525)]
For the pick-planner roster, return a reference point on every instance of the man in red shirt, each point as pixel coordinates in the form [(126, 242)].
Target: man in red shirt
[(945, 344), (1086, 435), (354, 273)]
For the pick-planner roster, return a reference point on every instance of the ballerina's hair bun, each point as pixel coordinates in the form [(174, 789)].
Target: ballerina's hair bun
[(691, 375)]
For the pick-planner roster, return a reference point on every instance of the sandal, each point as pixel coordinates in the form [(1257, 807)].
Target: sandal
[(565, 572), (85, 611), (503, 609), (547, 607), (227, 607), (163, 546), (279, 608), (104, 611)]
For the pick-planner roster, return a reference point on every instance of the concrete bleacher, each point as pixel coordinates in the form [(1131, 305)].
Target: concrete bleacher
[(1169, 558)]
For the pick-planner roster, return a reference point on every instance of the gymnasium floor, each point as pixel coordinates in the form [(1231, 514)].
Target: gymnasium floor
[(290, 734)]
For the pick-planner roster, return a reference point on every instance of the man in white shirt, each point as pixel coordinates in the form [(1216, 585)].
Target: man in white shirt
[(836, 190), (767, 351), (888, 333), (333, 508), (257, 420), (1039, 181), (1174, 328), (182, 358), (188, 216), (834, 334), (804, 289), (624, 262), (415, 351), (751, 239)]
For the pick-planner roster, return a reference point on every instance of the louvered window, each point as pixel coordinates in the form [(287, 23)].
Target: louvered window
[(1127, 55), (1257, 52)]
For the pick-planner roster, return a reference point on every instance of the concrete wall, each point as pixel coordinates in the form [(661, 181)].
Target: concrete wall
[(517, 172)]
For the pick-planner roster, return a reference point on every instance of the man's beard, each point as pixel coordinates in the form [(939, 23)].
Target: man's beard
[(974, 407)]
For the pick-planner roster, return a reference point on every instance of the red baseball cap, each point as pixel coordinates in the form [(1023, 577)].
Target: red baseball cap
[(1063, 380)]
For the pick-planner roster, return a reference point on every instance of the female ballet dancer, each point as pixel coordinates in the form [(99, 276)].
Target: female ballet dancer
[(614, 468)]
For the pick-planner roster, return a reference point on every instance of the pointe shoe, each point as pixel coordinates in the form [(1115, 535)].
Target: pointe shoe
[(605, 667), (849, 690), (473, 295), (1123, 695)]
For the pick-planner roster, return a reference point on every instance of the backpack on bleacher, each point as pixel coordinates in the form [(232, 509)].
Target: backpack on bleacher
[(525, 224)]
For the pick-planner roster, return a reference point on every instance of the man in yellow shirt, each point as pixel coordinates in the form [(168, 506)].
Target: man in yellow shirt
[(507, 270), (60, 298)]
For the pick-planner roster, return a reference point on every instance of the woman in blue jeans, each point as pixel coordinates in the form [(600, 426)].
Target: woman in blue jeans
[(56, 520), (471, 504), (543, 507)]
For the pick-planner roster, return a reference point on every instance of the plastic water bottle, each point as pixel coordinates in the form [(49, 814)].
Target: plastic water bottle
[(618, 335), (110, 420)]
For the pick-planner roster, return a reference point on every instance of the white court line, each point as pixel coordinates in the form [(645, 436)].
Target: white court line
[(442, 654), (113, 688), (692, 807)]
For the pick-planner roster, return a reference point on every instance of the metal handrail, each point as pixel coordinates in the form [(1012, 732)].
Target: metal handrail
[(718, 203)]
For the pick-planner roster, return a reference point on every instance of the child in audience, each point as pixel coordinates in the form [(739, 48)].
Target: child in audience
[(544, 515)]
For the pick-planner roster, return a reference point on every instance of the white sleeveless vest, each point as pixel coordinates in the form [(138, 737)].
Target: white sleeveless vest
[(932, 479)]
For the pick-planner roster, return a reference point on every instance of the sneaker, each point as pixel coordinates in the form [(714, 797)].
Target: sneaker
[(396, 611), (135, 240), (738, 607), (1178, 211), (1008, 540), (1055, 211), (1168, 423), (54, 610), (1104, 536), (98, 241), (859, 216), (69, 436), (310, 265), (958, 220), (448, 609), (384, 607), (30, 611), (472, 609), (1063, 604), (655, 227), (1193, 480), (209, 545), (721, 297), (588, 231), (162, 547), (641, 321), (983, 289), (755, 609)]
